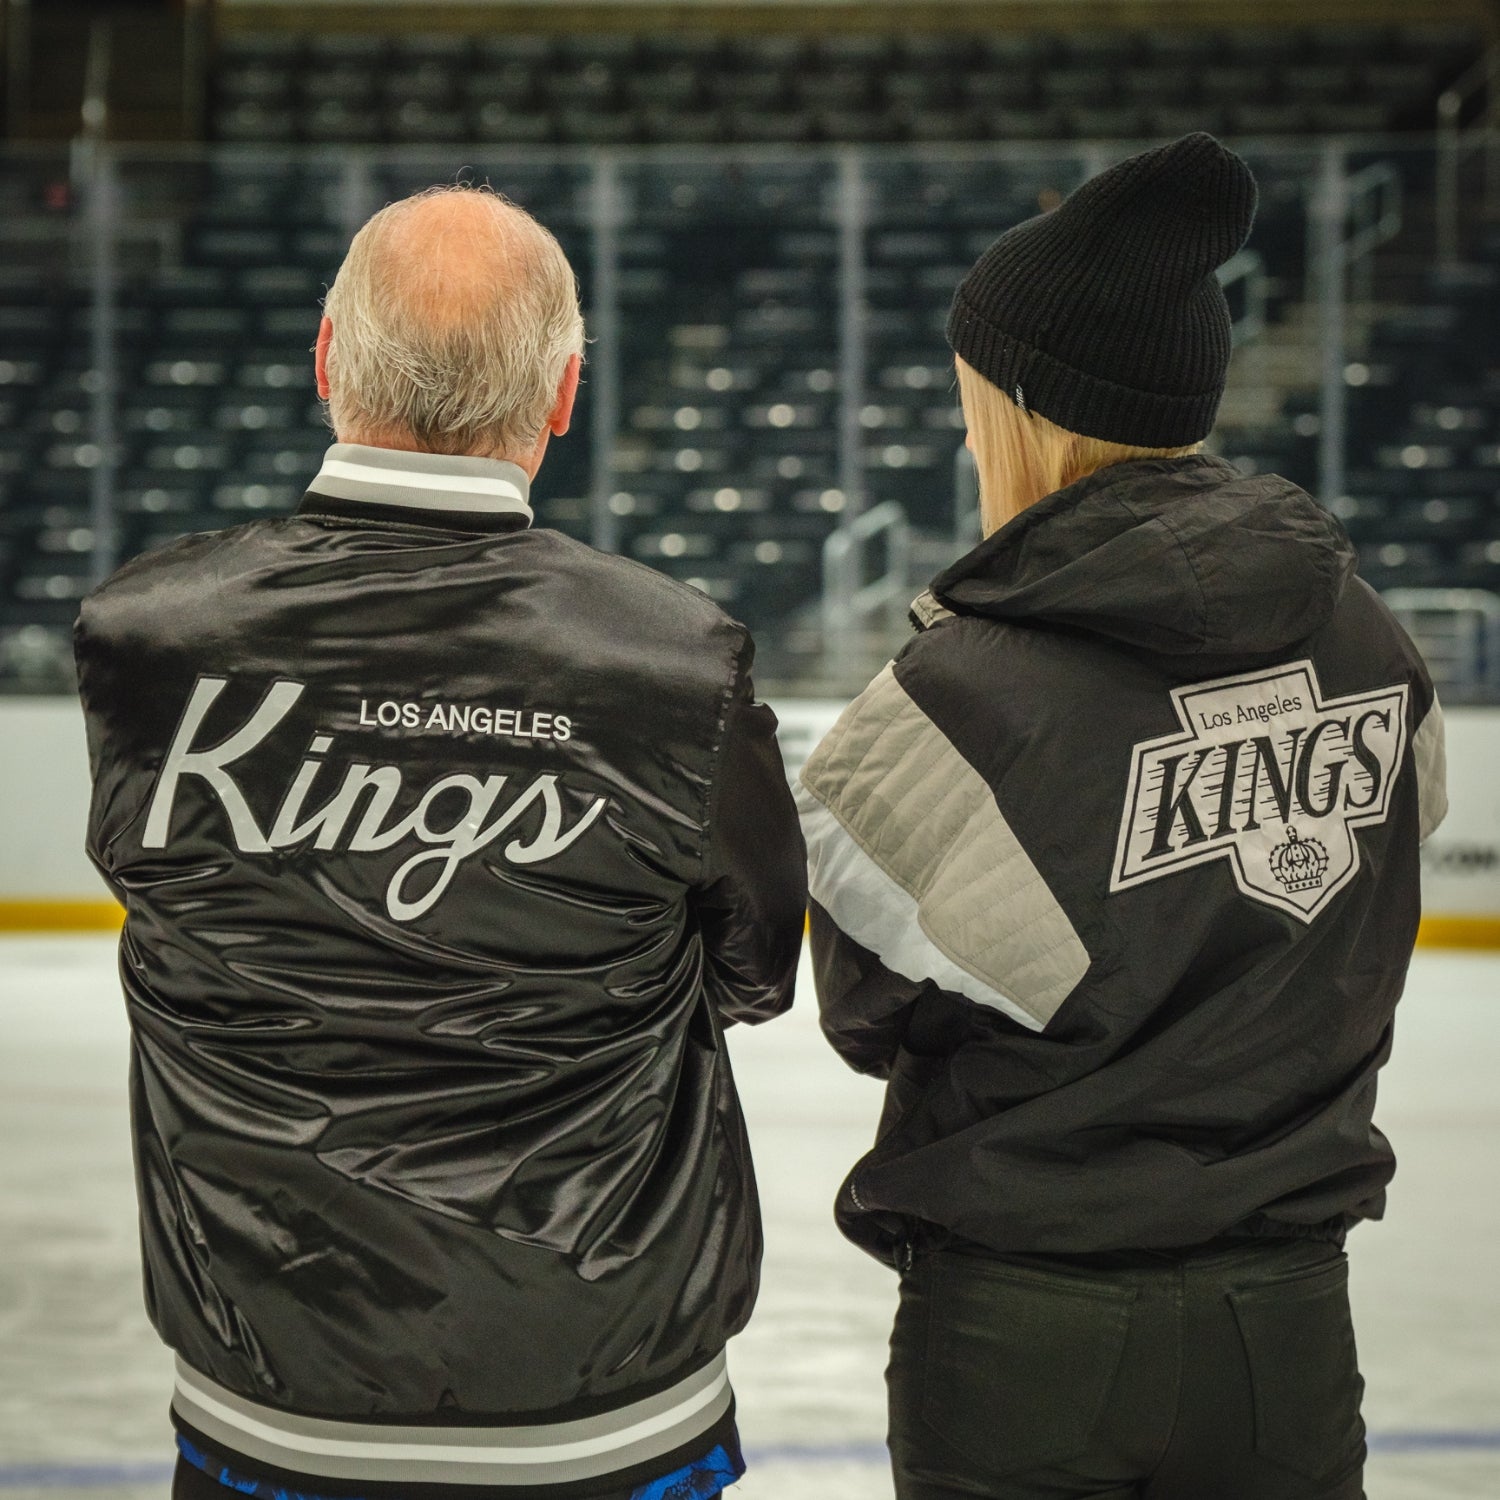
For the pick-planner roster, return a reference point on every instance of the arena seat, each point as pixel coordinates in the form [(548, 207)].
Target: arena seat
[(728, 277), (615, 87)]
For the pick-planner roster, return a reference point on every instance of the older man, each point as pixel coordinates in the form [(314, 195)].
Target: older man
[(448, 848)]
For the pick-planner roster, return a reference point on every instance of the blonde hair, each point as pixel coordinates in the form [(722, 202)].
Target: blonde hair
[(451, 327), (1021, 457)]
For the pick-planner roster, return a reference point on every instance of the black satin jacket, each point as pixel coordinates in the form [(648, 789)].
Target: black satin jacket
[(448, 848), (1152, 779)]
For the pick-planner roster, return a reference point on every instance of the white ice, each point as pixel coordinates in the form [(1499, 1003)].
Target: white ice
[(83, 1381)]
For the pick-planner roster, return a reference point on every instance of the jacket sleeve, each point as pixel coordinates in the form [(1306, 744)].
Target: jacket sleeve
[(1429, 755), (115, 798), (752, 901), (865, 1010)]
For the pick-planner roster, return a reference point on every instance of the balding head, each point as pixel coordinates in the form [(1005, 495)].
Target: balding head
[(454, 317)]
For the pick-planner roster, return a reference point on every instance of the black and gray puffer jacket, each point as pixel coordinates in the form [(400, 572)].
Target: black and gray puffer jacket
[(448, 848), (1114, 875)]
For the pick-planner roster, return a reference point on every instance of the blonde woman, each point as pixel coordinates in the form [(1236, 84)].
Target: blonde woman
[(1114, 880)]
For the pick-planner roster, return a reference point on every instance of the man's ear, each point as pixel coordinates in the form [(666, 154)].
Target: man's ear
[(567, 393), (320, 356)]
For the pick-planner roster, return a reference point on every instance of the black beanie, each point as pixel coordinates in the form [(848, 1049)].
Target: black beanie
[(1105, 315)]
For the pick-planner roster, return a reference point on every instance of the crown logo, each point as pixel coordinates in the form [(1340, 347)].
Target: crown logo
[(1299, 864)]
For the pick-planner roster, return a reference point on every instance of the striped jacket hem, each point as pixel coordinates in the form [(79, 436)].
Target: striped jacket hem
[(514, 1456)]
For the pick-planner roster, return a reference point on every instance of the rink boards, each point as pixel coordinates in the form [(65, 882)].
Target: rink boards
[(46, 883)]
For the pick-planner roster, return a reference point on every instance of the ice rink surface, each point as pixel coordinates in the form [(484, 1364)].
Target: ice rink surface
[(84, 1383)]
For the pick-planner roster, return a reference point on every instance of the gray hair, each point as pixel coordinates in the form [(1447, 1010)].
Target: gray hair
[(450, 327)]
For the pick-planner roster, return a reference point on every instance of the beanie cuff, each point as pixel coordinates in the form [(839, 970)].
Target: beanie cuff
[(1072, 398)]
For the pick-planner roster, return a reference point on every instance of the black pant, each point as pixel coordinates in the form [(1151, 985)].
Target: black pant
[(1225, 1374)]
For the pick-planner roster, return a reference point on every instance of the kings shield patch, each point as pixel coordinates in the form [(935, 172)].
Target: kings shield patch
[(1269, 776)]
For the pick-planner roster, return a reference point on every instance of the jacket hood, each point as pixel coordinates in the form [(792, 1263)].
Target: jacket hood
[(1181, 556)]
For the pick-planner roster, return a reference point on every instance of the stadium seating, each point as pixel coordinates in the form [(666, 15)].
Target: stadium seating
[(725, 463), (613, 88), (1424, 500)]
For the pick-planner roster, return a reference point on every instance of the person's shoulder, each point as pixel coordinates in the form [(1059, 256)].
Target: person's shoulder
[(1362, 601), (1364, 612), (1371, 631), (160, 578), (191, 549), (634, 592), (949, 644)]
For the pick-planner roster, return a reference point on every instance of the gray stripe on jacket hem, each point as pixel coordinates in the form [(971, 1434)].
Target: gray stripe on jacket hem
[(551, 1453), (910, 855)]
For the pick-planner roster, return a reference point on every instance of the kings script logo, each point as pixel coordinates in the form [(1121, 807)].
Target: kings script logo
[(468, 823), (1269, 776)]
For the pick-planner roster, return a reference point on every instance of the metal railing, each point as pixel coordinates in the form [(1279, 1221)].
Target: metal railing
[(1247, 269), (852, 206), (1375, 219), (849, 602), (604, 363), (1458, 634), (94, 173), (1457, 140), (125, 198), (966, 522), (1350, 216)]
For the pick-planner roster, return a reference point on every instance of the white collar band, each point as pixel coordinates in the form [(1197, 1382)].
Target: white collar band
[(424, 481)]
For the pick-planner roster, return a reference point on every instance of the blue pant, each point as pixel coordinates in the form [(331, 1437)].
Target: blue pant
[(699, 1480)]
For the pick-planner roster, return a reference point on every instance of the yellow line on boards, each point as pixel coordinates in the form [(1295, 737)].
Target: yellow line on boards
[(106, 916), (60, 916), (1459, 932)]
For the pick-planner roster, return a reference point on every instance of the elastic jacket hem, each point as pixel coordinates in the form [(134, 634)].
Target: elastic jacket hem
[(517, 1456)]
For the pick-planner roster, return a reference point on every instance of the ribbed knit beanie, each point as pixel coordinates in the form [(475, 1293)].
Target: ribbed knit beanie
[(1105, 315)]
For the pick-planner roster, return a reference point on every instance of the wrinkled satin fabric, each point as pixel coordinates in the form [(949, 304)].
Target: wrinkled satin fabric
[(431, 1101)]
